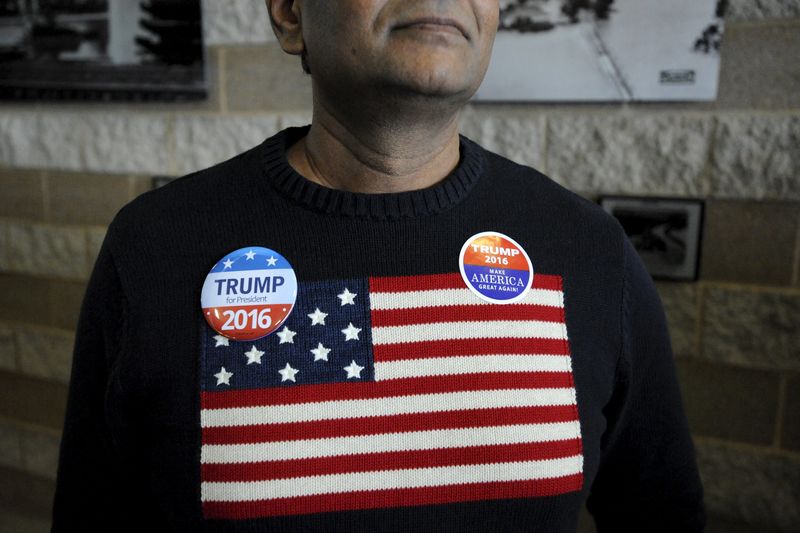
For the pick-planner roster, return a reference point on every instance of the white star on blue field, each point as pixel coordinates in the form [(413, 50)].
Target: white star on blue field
[(326, 339)]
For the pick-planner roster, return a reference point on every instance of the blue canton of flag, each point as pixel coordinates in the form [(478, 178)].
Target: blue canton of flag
[(326, 339)]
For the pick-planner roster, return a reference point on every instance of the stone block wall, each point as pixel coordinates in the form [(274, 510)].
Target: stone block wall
[(65, 169)]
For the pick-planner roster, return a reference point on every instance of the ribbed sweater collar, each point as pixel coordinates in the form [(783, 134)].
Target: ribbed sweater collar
[(439, 197)]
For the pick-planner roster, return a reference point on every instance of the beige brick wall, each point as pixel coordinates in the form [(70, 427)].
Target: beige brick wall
[(66, 169)]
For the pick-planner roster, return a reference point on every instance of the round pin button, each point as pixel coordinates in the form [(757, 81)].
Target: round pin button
[(249, 293), (495, 267)]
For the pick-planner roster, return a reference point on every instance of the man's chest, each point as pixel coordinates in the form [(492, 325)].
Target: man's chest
[(389, 391)]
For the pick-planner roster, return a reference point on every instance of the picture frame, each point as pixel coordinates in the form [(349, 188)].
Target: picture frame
[(666, 232), (606, 51), (102, 50)]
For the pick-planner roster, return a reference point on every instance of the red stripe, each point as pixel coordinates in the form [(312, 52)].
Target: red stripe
[(455, 347), (394, 498), (372, 462), (321, 429), (464, 313), (342, 391), (446, 281)]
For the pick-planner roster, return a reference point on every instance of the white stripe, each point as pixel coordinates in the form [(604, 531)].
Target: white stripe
[(489, 329), (447, 297), (389, 442), (472, 364), (393, 405), (390, 479)]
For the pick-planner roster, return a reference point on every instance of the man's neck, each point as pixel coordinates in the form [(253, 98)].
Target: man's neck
[(378, 158)]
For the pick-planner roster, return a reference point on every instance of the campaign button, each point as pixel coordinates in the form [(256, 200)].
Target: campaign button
[(495, 267), (249, 293)]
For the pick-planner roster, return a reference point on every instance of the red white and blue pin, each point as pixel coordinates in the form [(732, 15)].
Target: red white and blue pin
[(496, 268), (249, 293)]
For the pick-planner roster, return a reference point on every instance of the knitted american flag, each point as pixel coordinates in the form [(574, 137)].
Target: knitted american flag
[(391, 391)]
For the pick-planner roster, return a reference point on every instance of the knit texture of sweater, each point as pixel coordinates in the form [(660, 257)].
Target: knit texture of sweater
[(393, 397)]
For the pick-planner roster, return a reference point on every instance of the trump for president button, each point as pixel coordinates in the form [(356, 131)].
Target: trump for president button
[(249, 293)]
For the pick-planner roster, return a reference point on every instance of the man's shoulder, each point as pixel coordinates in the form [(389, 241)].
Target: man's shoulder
[(519, 182), (190, 195)]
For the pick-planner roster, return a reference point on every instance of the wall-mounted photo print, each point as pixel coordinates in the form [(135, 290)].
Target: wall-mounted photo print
[(666, 232), (101, 50), (606, 50)]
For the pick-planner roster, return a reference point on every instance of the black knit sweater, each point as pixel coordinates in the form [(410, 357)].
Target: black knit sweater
[(467, 416)]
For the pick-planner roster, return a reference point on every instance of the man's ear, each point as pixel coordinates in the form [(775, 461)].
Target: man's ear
[(284, 15)]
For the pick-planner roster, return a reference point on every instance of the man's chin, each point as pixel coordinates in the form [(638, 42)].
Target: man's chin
[(432, 83)]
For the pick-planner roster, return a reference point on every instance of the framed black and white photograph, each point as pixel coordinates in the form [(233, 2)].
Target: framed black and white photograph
[(101, 50), (666, 232), (606, 50)]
